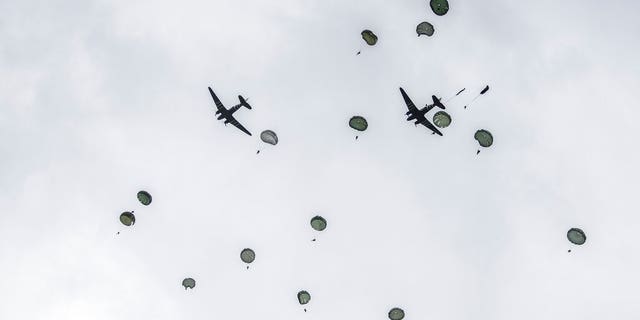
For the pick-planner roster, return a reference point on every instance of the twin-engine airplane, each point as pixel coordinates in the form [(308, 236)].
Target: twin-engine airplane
[(418, 114), (227, 114)]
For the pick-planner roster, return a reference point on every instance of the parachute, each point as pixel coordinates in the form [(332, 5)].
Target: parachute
[(269, 137), (396, 314), (144, 197), (425, 28), (127, 218), (359, 123), (304, 297), (441, 119), (484, 137), (483, 91), (576, 236), (369, 37), (188, 283), (247, 256), (439, 7), (318, 223)]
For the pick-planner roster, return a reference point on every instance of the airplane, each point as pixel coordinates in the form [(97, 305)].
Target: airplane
[(227, 115), (418, 114)]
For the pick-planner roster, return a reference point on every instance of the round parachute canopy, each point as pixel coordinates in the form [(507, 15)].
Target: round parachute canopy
[(144, 197), (304, 297), (439, 7), (188, 283), (247, 255), (269, 137), (127, 218), (484, 137), (441, 119), (425, 28), (576, 236), (369, 37), (359, 123), (318, 223), (396, 314)]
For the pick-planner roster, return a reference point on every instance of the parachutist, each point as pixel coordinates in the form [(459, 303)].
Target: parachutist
[(356, 137), (305, 310), (313, 240), (477, 152), (569, 250), (465, 107), (358, 53), (257, 151)]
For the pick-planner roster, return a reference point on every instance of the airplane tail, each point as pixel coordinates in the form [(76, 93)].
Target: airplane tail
[(243, 102)]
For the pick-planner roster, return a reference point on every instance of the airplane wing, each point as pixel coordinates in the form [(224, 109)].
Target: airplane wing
[(412, 107), (219, 104), (428, 124), (437, 103), (237, 124)]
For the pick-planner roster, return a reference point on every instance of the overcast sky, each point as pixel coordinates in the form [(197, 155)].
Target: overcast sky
[(101, 99)]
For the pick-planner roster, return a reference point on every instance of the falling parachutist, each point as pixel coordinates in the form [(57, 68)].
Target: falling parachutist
[(358, 53), (477, 152)]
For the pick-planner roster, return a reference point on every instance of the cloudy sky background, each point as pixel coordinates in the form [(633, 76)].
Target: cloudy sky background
[(99, 99)]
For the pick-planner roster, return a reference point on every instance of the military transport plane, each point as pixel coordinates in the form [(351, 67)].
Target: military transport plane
[(227, 115), (418, 114)]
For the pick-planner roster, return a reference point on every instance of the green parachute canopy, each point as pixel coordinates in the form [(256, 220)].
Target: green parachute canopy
[(359, 123), (269, 137), (484, 137), (247, 255), (396, 314), (188, 283), (369, 37), (304, 297), (439, 7), (318, 223), (144, 197), (576, 236), (127, 218), (441, 119), (425, 28)]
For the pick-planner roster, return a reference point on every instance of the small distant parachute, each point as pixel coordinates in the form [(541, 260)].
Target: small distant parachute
[(369, 37), (304, 298), (441, 119), (144, 197), (247, 256), (439, 7), (318, 223), (425, 28), (269, 137), (576, 236), (359, 123), (483, 91), (396, 314), (127, 218), (188, 283), (484, 138)]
